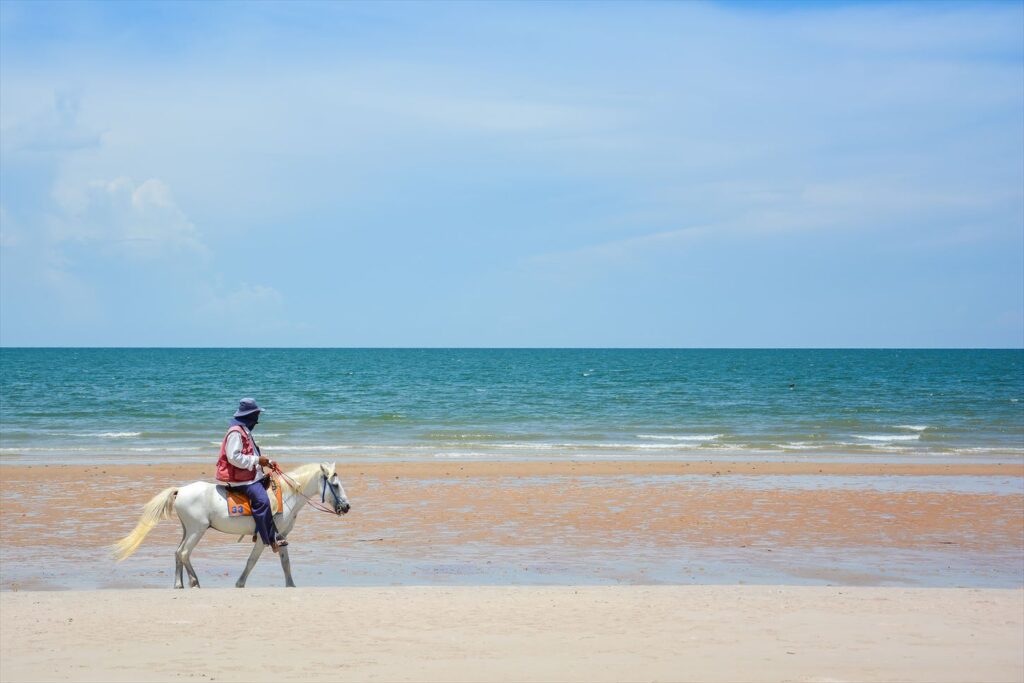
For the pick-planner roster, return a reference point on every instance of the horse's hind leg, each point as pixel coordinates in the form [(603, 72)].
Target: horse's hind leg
[(185, 553), (254, 556), (286, 565), (179, 566)]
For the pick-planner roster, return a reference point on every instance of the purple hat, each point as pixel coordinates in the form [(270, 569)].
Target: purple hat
[(247, 406)]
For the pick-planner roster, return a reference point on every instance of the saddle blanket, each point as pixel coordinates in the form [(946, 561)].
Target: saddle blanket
[(238, 502)]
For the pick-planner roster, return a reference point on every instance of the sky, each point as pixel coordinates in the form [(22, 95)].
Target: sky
[(536, 174)]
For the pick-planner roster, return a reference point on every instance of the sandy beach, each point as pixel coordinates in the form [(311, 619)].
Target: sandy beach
[(608, 342), (535, 570), (418, 633)]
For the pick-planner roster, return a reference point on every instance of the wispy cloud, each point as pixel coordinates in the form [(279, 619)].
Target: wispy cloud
[(407, 152), (138, 220), (89, 232)]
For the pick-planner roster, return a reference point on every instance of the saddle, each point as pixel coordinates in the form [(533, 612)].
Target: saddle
[(238, 502)]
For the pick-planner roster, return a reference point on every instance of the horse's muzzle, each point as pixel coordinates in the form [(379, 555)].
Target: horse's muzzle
[(342, 509)]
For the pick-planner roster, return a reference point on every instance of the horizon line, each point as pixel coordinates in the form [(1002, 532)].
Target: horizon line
[(524, 348)]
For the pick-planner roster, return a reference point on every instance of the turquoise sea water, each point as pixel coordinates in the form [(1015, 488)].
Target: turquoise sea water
[(963, 405)]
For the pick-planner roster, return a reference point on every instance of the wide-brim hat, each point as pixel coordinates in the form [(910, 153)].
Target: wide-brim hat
[(247, 406)]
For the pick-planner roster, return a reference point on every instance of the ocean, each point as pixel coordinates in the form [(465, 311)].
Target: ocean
[(146, 405)]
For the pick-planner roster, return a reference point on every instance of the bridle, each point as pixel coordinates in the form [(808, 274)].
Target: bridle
[(323, 494), (321, 506)]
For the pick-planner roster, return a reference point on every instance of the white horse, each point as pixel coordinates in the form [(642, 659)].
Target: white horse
[(202, 505)]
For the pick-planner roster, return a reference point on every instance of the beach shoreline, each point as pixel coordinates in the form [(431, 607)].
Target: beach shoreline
[(550, 523), (396, 455), (189, 469), (418, 633)]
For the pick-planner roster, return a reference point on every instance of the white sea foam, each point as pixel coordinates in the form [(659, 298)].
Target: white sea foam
[(879, 446), (595, 446), (681, 437), (162, 449), (339, 447), (1009, 450), (101, 451), (913, 428), (887, 437), (799, 446), (108, 435), (57, 449), (888, 448)]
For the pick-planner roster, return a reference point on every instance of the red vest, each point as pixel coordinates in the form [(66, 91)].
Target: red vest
[(228, 472)]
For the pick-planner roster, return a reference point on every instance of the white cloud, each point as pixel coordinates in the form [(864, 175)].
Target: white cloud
[(138, 220), (451, 104), (578, 267), (44, 130), (10, 236), (245, 302), (592, 132), (244, 314), (77, 298)]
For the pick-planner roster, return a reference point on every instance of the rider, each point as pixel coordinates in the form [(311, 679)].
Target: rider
[(240, 466)]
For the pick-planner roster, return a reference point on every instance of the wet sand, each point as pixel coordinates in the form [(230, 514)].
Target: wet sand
[(406, 576), (535, 522), (609, 633)]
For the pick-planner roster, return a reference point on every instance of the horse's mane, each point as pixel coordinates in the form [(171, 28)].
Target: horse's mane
[(302, 475)]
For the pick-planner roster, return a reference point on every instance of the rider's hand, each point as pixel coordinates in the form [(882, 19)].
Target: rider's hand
[(267, 462)]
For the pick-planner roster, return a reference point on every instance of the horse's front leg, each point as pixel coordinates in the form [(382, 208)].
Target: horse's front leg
[(286, 565), (254, 556)]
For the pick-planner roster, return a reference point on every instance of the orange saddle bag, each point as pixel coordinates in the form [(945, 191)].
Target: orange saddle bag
[(238, 502)]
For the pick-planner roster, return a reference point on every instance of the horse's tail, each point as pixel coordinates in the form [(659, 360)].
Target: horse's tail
[(160, 506)]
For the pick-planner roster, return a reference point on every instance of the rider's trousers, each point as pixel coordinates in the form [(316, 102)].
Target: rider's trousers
[(260, 504)]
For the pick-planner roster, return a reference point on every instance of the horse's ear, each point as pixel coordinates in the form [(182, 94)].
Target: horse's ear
[(323, 468), (334, 468)]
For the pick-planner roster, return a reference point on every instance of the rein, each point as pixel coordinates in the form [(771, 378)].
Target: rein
[(319, 506)]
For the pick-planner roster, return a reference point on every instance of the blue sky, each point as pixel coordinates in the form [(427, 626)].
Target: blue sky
[(512, 174)]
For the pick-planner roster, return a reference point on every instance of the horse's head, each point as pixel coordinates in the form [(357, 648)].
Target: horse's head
[(331, 489)]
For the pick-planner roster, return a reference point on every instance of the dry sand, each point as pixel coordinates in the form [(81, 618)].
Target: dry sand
[(620, 633)]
